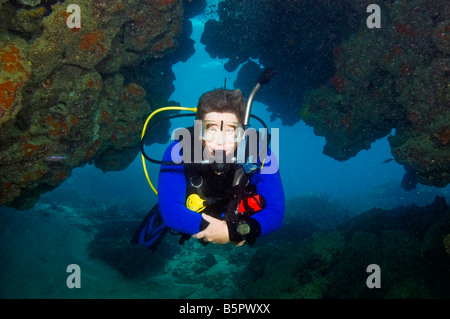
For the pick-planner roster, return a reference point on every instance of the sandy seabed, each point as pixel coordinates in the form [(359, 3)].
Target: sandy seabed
[(37, 246)]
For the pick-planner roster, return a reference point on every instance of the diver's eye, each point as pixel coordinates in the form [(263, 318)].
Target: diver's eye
[(211, 130), (229, 131)]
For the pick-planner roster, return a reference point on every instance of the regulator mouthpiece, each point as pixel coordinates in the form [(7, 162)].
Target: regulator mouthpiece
[(221, 162)]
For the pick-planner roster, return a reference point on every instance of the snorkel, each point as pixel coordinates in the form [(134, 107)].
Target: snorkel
[(264, 78)]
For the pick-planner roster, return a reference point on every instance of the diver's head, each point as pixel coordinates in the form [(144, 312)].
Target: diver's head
[(222, 101), (222, 114)]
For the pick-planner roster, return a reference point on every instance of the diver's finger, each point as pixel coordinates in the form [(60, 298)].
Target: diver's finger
[(239, 244), (199, 235), (208, 218)]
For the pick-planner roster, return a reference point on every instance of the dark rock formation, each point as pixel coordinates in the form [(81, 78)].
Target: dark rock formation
[(410, 245), (294, 37), (353, 84), (70, 96), (112, 245), (395, 77), (115, 226)]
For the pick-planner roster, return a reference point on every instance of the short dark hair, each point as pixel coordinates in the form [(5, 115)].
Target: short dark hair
[(222, 101)]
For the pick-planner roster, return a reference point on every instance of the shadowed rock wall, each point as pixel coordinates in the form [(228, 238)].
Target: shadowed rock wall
[(353, 84), (395, 77), (410, 244), (68, 96)]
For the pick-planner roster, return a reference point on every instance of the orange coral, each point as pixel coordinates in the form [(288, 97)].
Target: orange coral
[(338, 83), (7, 94), (134, 89), (413, 117), (396, 50), (163, 3), (90, 83), (92, 42), (56, 127), (59, 176), (405, 68), (65, 15), (11, 62), (7, 186), (32, 176), (92, 150), (29, 149), (75, 120), (163, 45), (8, 191), (404, 29), (94, 83), (338, 52), (11, 59), (444, 136), (107, 117)]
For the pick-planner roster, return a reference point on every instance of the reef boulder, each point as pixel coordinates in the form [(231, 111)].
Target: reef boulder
[(65, 96), (392, 78), (409, 244)]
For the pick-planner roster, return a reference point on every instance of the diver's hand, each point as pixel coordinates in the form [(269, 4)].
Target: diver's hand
[(238, 244), (216, 232)]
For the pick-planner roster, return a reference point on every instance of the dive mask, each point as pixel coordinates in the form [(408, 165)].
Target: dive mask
[(215, 131)]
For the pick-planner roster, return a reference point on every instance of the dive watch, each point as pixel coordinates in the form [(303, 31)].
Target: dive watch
[(243, 228), (247, 229)]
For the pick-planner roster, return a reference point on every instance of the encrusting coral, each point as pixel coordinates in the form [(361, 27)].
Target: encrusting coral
[(351, 83), (64, 100), (409, 244)]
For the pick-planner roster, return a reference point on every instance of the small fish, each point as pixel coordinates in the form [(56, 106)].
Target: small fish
[(387, 161), (56, 158)]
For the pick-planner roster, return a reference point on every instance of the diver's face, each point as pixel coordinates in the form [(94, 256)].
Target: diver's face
[(219, 132)]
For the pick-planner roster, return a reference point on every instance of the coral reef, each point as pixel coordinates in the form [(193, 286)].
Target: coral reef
[(390, 78), (32, 3), (68, 97), (408, 243), (353, 84), (200, 267), (294, 37), (307, 214)]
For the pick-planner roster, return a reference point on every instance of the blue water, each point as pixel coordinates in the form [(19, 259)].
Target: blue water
[(53, 235)]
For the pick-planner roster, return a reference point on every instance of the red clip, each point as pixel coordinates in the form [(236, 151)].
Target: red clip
[(251, 204)]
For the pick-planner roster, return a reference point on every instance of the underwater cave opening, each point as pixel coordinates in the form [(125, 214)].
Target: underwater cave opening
[(364, 181)]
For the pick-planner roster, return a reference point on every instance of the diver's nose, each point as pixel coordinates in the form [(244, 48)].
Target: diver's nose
[(220, 139)]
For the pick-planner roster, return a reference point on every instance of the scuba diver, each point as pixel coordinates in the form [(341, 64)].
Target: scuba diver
[(229, 195)]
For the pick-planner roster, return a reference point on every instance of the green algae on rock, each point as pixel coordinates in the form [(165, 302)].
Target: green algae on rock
[(63, 92), (407, 243), (352, 84)]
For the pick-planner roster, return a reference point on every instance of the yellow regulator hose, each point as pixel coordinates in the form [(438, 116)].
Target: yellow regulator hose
[(144, 129)]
